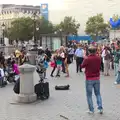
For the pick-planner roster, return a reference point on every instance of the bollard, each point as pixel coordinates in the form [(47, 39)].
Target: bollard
[(27, 93)]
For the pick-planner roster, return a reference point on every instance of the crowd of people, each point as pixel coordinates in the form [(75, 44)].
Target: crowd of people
[(94, 58)]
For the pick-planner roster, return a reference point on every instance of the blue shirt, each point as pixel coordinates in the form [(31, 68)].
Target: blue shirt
[(79, 52)]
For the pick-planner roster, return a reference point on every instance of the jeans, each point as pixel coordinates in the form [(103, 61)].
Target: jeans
[(116, 66), (90, 85), (118, 78)]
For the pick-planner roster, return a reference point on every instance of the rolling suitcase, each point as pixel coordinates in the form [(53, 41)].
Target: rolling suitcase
[(42, 90)]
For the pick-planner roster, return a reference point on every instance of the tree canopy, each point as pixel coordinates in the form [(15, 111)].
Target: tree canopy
[(95, 26), (23, 28), (69, 25)]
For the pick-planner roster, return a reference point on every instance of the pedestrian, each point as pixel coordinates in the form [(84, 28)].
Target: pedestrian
[(79, 53), (92, 72), (116, 54), (1, 76), (106, 60), (118, 76), (59, 64), (53, 64)]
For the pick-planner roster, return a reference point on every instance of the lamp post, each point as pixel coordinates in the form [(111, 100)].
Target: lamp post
[(61, 37), (35, 17), (3, 29)]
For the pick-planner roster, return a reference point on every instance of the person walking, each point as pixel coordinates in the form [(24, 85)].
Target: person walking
[(106, 60), (92, 72), (79, 53)]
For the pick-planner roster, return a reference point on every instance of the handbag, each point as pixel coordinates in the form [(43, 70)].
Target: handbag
[(52, 64)]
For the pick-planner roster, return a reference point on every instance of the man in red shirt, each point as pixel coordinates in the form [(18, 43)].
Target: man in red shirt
[(92, 65)]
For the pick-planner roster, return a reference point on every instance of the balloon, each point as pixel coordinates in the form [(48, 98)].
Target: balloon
[(114, 24)]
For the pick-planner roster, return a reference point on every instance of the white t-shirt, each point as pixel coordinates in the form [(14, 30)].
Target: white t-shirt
[(2, 72)]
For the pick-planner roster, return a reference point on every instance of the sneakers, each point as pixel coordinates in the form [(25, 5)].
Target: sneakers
[(115, 83), (90, 112), (100, 111)]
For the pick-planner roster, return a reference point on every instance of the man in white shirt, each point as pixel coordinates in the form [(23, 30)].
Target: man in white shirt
[(79, 53)]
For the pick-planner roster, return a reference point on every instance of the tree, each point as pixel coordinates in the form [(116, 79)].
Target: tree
[(69, 25), (95, 26), (21, 29), (45, 27)]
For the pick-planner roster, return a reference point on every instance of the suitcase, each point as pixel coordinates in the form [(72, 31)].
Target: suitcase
[(16, 87), (42, 90), (65, 87)]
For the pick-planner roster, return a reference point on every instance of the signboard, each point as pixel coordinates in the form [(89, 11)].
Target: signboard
[(44, 11)]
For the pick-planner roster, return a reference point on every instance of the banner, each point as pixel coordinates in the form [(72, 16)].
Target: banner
[(44, 10)]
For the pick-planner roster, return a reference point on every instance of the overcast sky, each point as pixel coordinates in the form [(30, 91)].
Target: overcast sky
[(80, 9)]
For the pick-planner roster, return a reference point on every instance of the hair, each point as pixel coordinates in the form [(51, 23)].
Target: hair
[(92, 50)]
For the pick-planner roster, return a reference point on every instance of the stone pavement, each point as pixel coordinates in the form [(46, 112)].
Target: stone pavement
[(71, 104)]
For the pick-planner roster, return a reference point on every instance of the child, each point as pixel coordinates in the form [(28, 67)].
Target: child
[(15, 68), (59, 64)]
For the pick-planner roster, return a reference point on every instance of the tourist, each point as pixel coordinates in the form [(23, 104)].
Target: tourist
[(116, 54), (53, 64), (1, 76), (79, 53), (118, 75), (92, 72), (59, 61), (106, 60), (62, 54)]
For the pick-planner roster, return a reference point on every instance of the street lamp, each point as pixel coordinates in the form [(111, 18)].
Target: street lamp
[(3, 29), (34, 17), (61, 37)]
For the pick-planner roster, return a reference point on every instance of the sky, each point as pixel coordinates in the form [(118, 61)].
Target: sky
[(79, 9)]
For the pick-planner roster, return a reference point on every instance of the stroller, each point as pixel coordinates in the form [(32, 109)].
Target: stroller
[(10, 76)]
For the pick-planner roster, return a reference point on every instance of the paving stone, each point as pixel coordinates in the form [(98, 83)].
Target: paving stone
[(71, 103)]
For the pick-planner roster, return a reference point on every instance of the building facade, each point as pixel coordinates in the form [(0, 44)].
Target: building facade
[(9, 12)]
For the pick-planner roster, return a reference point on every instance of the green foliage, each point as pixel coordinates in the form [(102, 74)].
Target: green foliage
[(45, 27), (23, 28), (69, 25), (95, 26)]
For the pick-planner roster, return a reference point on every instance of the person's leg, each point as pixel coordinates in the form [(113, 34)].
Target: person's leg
[(108, 67), (89, 87), (97, 94), (53, 71), (1, 82), (81, 60), (116, 66), (118, 78), (102, 66), (45, 74), (105, 68), (63, 66), (58, 71), (67, 71), (77, 64)]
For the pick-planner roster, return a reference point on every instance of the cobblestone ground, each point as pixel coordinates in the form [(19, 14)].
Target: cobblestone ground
[(71, 104)]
